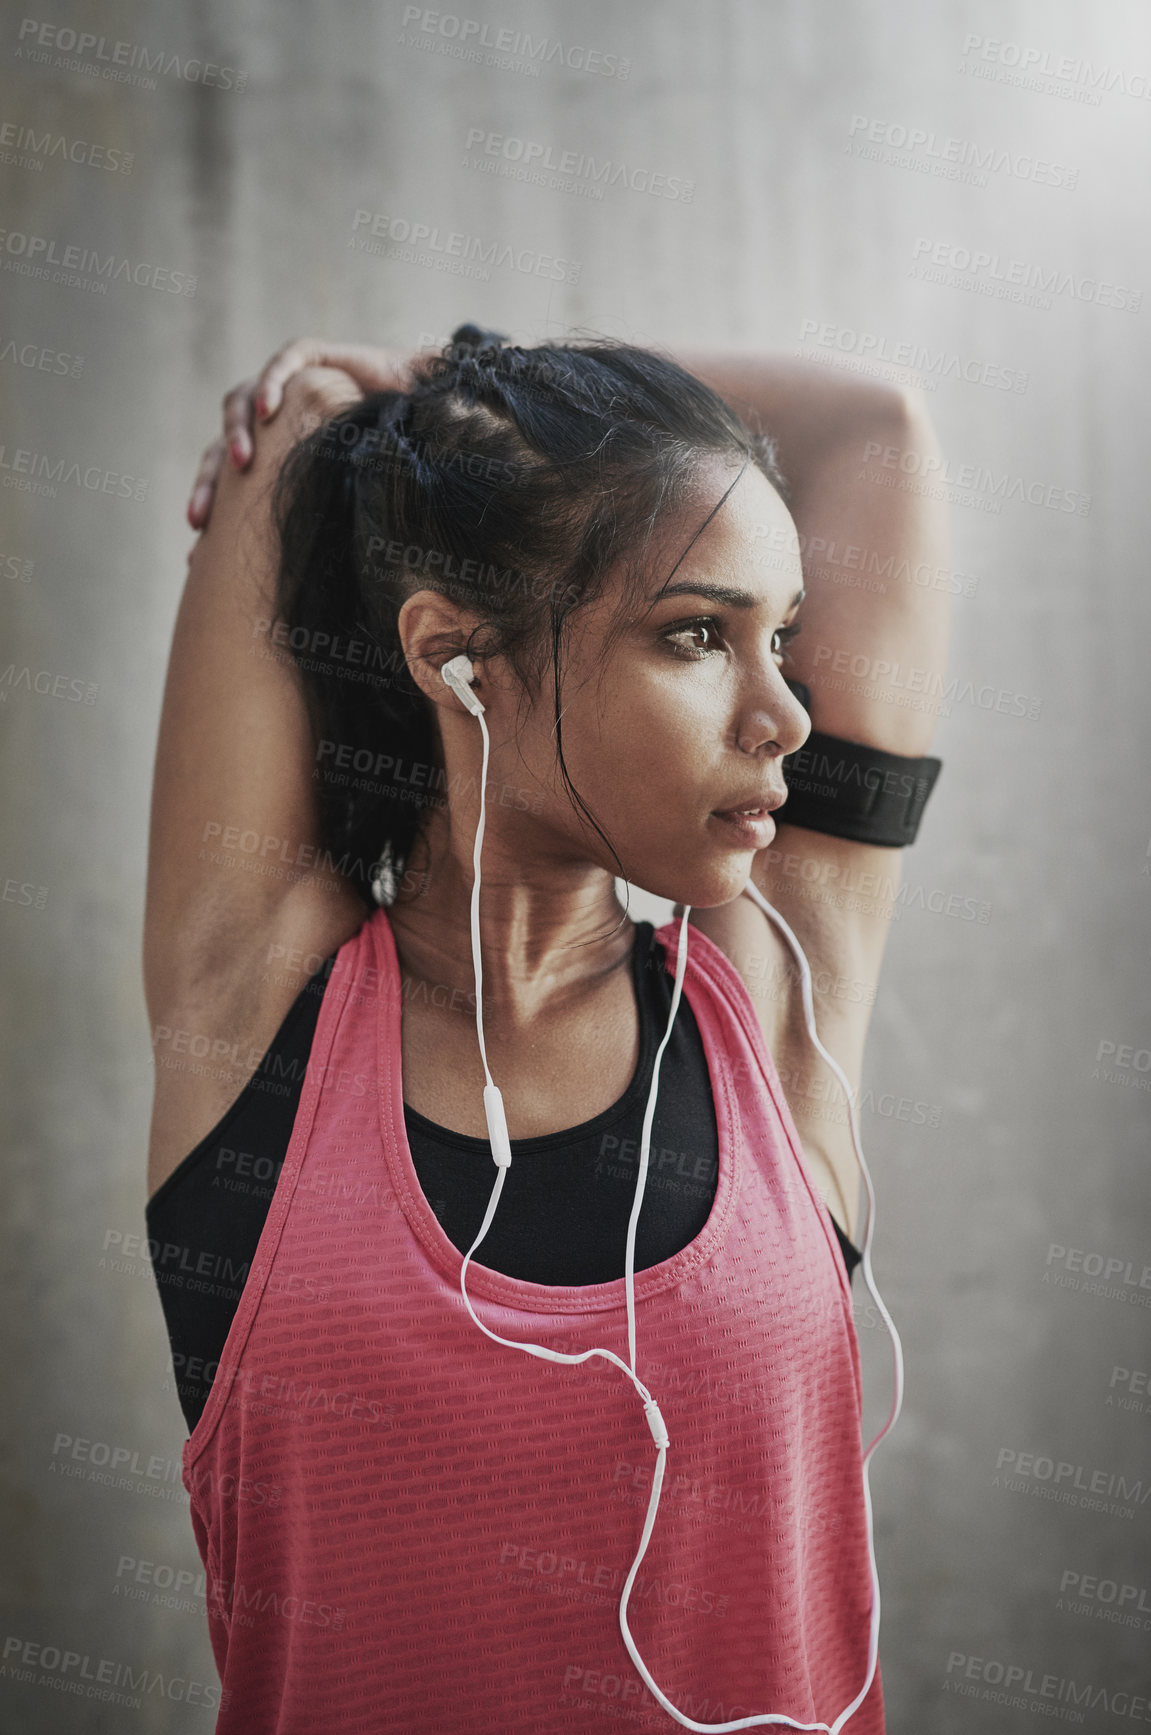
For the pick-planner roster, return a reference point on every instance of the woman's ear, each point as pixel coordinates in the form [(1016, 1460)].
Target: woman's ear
[(433, 629)]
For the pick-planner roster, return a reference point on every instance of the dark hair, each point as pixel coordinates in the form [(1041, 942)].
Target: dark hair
[(510, 479)]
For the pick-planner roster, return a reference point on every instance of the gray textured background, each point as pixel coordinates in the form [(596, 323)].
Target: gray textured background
[(1040, 825)]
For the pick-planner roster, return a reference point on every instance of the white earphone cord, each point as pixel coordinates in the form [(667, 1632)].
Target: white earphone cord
[(501, 1153)]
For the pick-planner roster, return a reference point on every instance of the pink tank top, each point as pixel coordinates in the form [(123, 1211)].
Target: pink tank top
[(408, 1527)]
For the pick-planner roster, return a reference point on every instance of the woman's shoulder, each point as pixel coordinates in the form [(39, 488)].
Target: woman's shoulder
[(753, 967), (740, 961)]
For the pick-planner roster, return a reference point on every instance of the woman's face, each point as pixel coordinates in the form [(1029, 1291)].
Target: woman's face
[(675, 723)]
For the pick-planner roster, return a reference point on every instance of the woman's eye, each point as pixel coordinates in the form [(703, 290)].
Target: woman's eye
[(700, 638), (782, 637), (694, 639)]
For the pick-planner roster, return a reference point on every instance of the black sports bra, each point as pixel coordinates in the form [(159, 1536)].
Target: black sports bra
[(566, 1202)]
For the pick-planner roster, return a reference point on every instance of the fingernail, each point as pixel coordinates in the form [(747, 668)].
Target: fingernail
[(238, 454), (199, 505), (261, 406)]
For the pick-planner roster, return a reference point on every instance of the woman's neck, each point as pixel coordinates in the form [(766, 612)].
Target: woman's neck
[(549, 929)]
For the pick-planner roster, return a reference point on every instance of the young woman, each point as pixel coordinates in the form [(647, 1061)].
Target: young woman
[(405, 1521)]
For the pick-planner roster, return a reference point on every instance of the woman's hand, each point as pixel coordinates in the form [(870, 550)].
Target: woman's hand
[(260, 397)]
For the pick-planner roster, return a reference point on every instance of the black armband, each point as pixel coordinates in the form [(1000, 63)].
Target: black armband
[(849, 790)]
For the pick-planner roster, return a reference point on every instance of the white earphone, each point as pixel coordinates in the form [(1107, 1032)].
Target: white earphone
[(459, 674)]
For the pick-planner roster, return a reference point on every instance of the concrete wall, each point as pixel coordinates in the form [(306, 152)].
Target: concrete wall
[(1012, 1240)]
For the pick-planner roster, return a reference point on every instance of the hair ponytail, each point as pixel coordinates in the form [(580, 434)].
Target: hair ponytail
[(369, 720)]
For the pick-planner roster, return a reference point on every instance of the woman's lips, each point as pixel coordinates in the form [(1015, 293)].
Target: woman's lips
[(754, 827)]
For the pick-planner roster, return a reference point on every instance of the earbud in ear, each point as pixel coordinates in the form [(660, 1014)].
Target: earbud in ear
[(461, 667), (459, 674)]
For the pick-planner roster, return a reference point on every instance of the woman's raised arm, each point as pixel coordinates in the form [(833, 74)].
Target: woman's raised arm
[(858, 458), (872, 648), (236, 875), (233, 830)]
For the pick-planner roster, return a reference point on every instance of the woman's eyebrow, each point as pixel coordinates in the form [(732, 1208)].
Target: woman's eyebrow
[(725, 595)]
